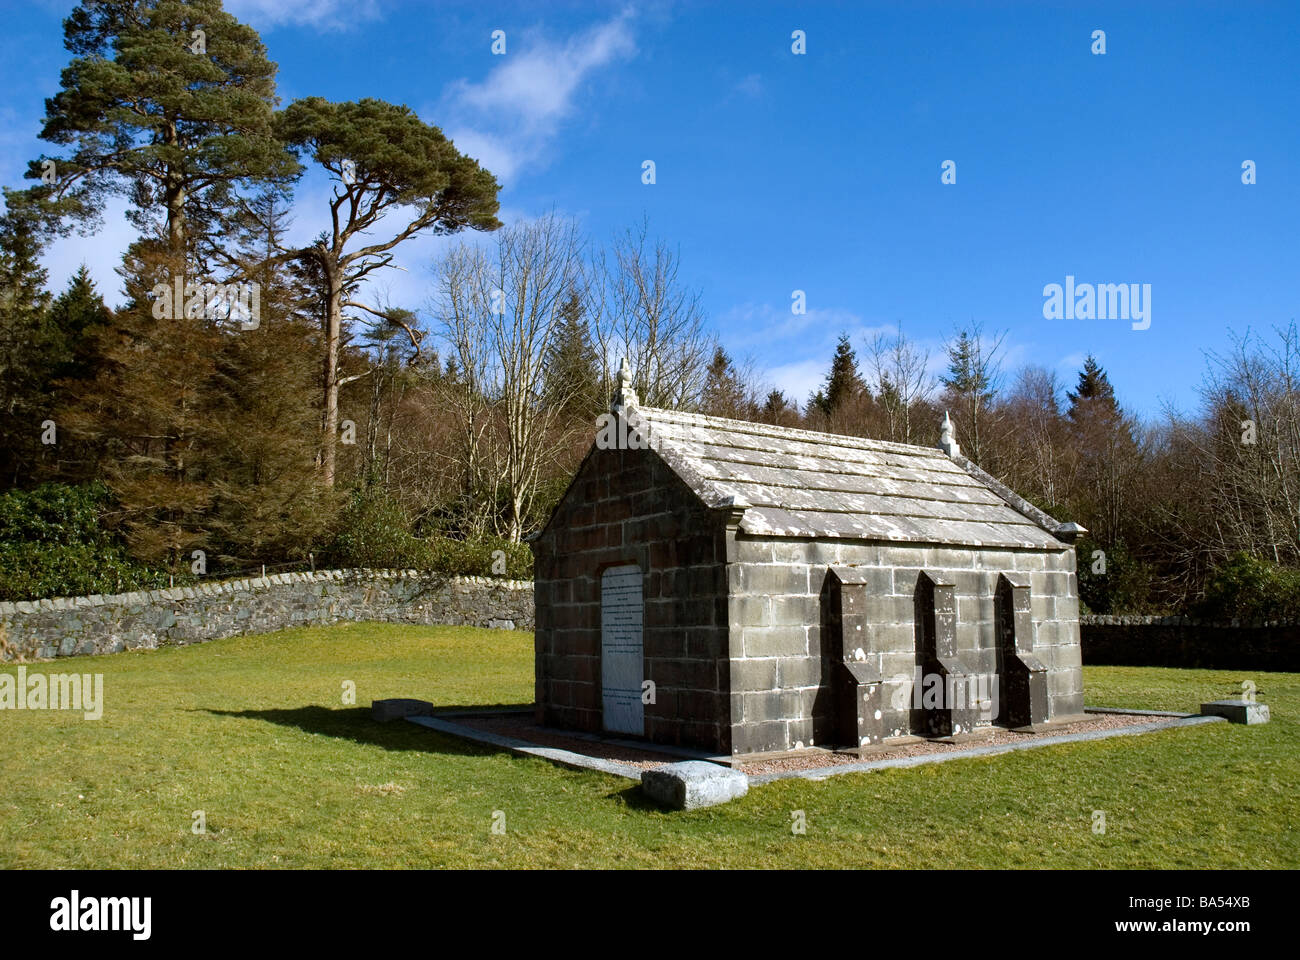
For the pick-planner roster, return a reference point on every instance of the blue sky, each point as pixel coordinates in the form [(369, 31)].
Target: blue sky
[(778, 172)]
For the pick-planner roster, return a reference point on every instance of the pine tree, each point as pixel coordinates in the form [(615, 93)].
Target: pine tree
[(78, 315), (167, 103), (384, 160), (29, 347), (149, 407), (572, 363), (269, 504), (1102, 441), (724, 395), (844, 384), (777, 409), (970, 388), (1094, 391)]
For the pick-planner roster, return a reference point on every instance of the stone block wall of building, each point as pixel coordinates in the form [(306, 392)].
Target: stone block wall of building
[(781, 697), (627, 507), (67, 626)]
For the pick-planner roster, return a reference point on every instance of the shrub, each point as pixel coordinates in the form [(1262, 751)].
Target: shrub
[(1123, 587), (1250, 588), (376, 532), (475, 559), (54, 543)]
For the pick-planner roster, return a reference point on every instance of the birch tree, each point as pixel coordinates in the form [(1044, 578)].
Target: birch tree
[(500, 311)]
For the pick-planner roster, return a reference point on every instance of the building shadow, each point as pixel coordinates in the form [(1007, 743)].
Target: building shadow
[(357, 725)]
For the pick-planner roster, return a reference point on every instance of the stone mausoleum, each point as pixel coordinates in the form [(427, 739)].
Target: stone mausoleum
[(743, 588)]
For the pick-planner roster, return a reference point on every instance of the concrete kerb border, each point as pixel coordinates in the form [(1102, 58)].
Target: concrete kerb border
[(564, 757), (1167, 721)]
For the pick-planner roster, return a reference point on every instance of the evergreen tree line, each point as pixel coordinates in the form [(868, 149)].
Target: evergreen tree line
[(1187, 513)]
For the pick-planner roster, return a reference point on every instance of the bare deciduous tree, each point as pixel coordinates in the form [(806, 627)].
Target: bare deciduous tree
[(499, 310), (640, 310), (902, 381)]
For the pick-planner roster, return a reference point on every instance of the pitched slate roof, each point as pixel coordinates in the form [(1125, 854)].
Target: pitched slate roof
[(799, 483)]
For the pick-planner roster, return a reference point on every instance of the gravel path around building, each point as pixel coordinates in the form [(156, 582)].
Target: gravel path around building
[(815, 760), (522, 727)]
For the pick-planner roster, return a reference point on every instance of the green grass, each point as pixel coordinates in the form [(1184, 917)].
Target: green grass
[(253, 731)]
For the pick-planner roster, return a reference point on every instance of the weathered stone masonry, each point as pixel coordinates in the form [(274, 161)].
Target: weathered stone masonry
[(794, 590), (148, 619), (782, 664), (630, 507)]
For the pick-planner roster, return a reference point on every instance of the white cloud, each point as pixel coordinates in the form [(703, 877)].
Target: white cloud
[(798, 380), (324, 15), (514, 113), (1071, 362)]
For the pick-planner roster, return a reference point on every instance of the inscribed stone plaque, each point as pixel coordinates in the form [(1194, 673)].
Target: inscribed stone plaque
[(622, 668)]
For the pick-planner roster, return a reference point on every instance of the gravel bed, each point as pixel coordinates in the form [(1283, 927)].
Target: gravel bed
[(814, 759)]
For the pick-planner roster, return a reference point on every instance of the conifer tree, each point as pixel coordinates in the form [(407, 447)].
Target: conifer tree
[(149, 408), (385, 160), (29, 347), (724, 395), (167, 103), (970, 388), (1094, 391), (843, 384), (269, 504), (78, 315), (572, 364)]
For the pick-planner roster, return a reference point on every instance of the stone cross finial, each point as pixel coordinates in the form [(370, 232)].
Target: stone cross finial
[(947, 439), (624, 396)]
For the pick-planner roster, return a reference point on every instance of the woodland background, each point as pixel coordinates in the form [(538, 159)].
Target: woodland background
[(344, 430)]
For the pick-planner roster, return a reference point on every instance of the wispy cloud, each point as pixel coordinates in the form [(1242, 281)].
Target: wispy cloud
[(324, 15), (817, 328), (749, 86), (517, 110)]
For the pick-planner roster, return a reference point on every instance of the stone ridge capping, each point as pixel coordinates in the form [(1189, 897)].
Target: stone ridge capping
[(792, 433), (1147, 620), (1013, 499), (10, 608)]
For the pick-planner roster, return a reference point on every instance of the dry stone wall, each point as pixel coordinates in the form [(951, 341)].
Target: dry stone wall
[(68, 626), (1132, 641)]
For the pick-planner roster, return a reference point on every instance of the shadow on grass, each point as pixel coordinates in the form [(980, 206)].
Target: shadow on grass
[(357, 724), (634, 798)]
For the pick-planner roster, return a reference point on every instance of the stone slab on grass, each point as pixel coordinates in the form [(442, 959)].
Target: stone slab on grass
[(399, 708), (1237, 711), (692, 784)]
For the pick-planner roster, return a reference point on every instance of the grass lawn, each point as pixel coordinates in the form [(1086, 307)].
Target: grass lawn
[(253, 731)]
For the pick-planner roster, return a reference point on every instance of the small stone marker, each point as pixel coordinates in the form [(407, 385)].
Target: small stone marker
[(396, 709), (1237, 711), (692, 784)]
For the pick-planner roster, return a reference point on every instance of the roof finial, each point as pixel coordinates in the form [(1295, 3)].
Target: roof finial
[(624, 396), (947, 439)]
